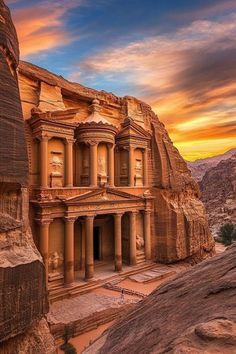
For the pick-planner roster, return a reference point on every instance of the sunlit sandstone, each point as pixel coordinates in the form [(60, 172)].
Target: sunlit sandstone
[(106, 182)]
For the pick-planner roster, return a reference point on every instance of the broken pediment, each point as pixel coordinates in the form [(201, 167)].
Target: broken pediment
[(132, 129)]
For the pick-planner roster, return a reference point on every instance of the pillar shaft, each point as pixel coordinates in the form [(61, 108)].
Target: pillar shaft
[(118, 243), (69, 163), (147, 234), (145, 168), (44, 162), (93, 165), (131, 166), (111, 165), (133, 233), (69, 251), (89, 254), (44, 243)]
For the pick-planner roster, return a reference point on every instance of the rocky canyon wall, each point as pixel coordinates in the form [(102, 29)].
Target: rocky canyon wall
[(23, 293), (179, 225)]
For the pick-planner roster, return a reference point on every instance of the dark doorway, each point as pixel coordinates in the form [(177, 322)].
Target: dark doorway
[(96, 243)]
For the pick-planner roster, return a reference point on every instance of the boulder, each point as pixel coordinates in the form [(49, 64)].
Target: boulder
[(193, 313)]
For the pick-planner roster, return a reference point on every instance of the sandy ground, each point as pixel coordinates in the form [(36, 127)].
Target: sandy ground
[(82, 341)]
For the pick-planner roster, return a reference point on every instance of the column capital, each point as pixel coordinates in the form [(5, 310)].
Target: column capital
[(69, 141), (91, 142), (70, 219), (134, 212), (91, 217), (43, 221), (43, 138), (147, 211), (119, 214)]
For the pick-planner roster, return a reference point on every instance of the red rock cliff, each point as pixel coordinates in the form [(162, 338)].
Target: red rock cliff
[(23, 294)]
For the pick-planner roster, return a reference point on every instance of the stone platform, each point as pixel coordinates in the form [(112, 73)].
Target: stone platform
[(157, 273), (86, 312)]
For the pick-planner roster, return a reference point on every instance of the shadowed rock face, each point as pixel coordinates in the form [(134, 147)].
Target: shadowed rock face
[(218, 188), (193, 313), (23, 294), (13, 153)]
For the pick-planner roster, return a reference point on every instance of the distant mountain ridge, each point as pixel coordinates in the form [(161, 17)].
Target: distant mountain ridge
[(199, 167)]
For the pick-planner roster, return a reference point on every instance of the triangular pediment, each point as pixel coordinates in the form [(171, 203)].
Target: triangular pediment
[(132, 129), (102, 196)]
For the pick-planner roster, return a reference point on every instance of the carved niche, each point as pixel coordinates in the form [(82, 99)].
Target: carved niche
[(57, 166)]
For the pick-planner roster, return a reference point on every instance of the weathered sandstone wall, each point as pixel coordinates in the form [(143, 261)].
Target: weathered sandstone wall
[(179, 225), (23, 294), (193, 313)]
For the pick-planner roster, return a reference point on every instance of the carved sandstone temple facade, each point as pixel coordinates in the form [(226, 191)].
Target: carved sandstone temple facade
[(91, 199), (106, 183)]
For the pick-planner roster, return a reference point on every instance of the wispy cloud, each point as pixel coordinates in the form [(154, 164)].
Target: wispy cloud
[(187, 76), (41, 27)]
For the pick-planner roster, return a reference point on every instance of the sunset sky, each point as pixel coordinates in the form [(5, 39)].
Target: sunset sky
[(177, 55)]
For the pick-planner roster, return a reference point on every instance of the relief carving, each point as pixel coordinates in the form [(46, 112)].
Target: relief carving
[(55, 263), (56, 175), (139, 242)]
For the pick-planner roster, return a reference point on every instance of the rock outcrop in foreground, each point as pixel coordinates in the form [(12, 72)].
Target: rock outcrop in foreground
[(23, 294), (193, 313), (179, 226), (218, 188)]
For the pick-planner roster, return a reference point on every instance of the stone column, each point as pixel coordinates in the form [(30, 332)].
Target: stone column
[(133, 234), (44, 162), (131, 166), (147, 234), (69, 251), (118, 242), (44, 242), (69, 163), (89, 256), (145, 167), (93, 164), (111, 165)]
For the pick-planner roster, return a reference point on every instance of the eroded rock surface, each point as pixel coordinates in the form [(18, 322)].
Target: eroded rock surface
[(193, 313), (179, 226), (23, 294), (218, 188)]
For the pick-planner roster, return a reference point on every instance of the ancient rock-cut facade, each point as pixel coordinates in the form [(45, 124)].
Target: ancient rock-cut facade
[(107, 184), (23, 295)]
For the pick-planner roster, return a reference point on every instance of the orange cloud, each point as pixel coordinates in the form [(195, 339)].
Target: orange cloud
[(188, 77), (41, 27)]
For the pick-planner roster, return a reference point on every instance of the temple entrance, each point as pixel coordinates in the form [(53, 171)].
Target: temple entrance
[(96, 243)]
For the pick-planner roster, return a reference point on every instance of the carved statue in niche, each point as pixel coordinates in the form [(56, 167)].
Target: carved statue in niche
[(138, 167), (138, 172), (56, 163), (102, 175), (139, 242), (55, 262), (101, 166), (57, 167)]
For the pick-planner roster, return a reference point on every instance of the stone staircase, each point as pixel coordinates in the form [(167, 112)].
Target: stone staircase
[(141, 257), (60, 293)]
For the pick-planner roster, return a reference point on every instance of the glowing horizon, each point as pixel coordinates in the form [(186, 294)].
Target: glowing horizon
[(178, 57)]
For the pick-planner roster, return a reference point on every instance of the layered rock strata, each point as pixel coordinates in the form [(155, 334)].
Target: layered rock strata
[(193, 313), (23, 294), (178, 224)]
